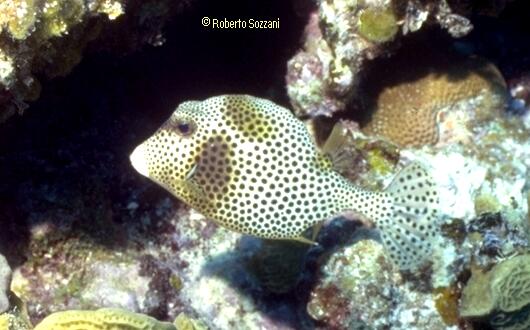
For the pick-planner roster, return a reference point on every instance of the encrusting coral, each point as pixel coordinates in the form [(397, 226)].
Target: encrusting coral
[(422, 110)]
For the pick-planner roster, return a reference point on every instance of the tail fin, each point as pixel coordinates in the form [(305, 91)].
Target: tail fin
[(408, 233)]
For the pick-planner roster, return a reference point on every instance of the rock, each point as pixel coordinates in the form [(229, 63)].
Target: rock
[(16, 318), (5, 282), (359, 285)]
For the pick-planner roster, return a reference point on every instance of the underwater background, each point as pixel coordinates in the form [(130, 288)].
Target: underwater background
[(88, 243)]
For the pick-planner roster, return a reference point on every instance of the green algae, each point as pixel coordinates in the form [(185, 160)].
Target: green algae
[(175, 282), (486, 203), (378, 25), (379, 162), (184, 322)]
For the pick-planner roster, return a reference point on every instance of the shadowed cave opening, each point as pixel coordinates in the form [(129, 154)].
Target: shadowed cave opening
[(69, 151)]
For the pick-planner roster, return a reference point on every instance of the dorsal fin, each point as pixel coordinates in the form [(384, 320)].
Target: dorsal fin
[(335, 148)]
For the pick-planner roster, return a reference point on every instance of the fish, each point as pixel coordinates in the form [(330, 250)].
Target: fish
[(253, 167)]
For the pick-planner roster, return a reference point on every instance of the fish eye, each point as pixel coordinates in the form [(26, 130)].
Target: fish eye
[(183, 127)]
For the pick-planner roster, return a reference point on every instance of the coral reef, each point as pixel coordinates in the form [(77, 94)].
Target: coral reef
[(483, 183), (82, 231), (5, 282), (48, 38), (342, 36), (80, 273), (444, 104), (363, 273)]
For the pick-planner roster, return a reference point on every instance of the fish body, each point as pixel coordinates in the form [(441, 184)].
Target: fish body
[(252, 166)]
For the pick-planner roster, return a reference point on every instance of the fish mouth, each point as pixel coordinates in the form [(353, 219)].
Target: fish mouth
[(139, 160)]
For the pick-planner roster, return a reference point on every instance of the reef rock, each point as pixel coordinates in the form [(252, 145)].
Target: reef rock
[(360, 286), (47, 39), (16, 317), (342, 36), (5, 281)]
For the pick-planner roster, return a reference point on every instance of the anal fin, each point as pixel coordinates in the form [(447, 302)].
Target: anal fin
[(302, 239)]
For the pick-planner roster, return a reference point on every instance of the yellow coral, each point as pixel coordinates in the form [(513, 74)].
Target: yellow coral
[(12, 321), (101, 319), (477, 299), (50, 18), (408, 113)]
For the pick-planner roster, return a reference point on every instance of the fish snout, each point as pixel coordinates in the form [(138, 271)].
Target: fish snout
[(139, 160)]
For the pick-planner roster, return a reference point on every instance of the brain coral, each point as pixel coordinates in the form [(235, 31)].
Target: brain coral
[(102, 319), (502, 294), (511, 284), (407, 107)]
